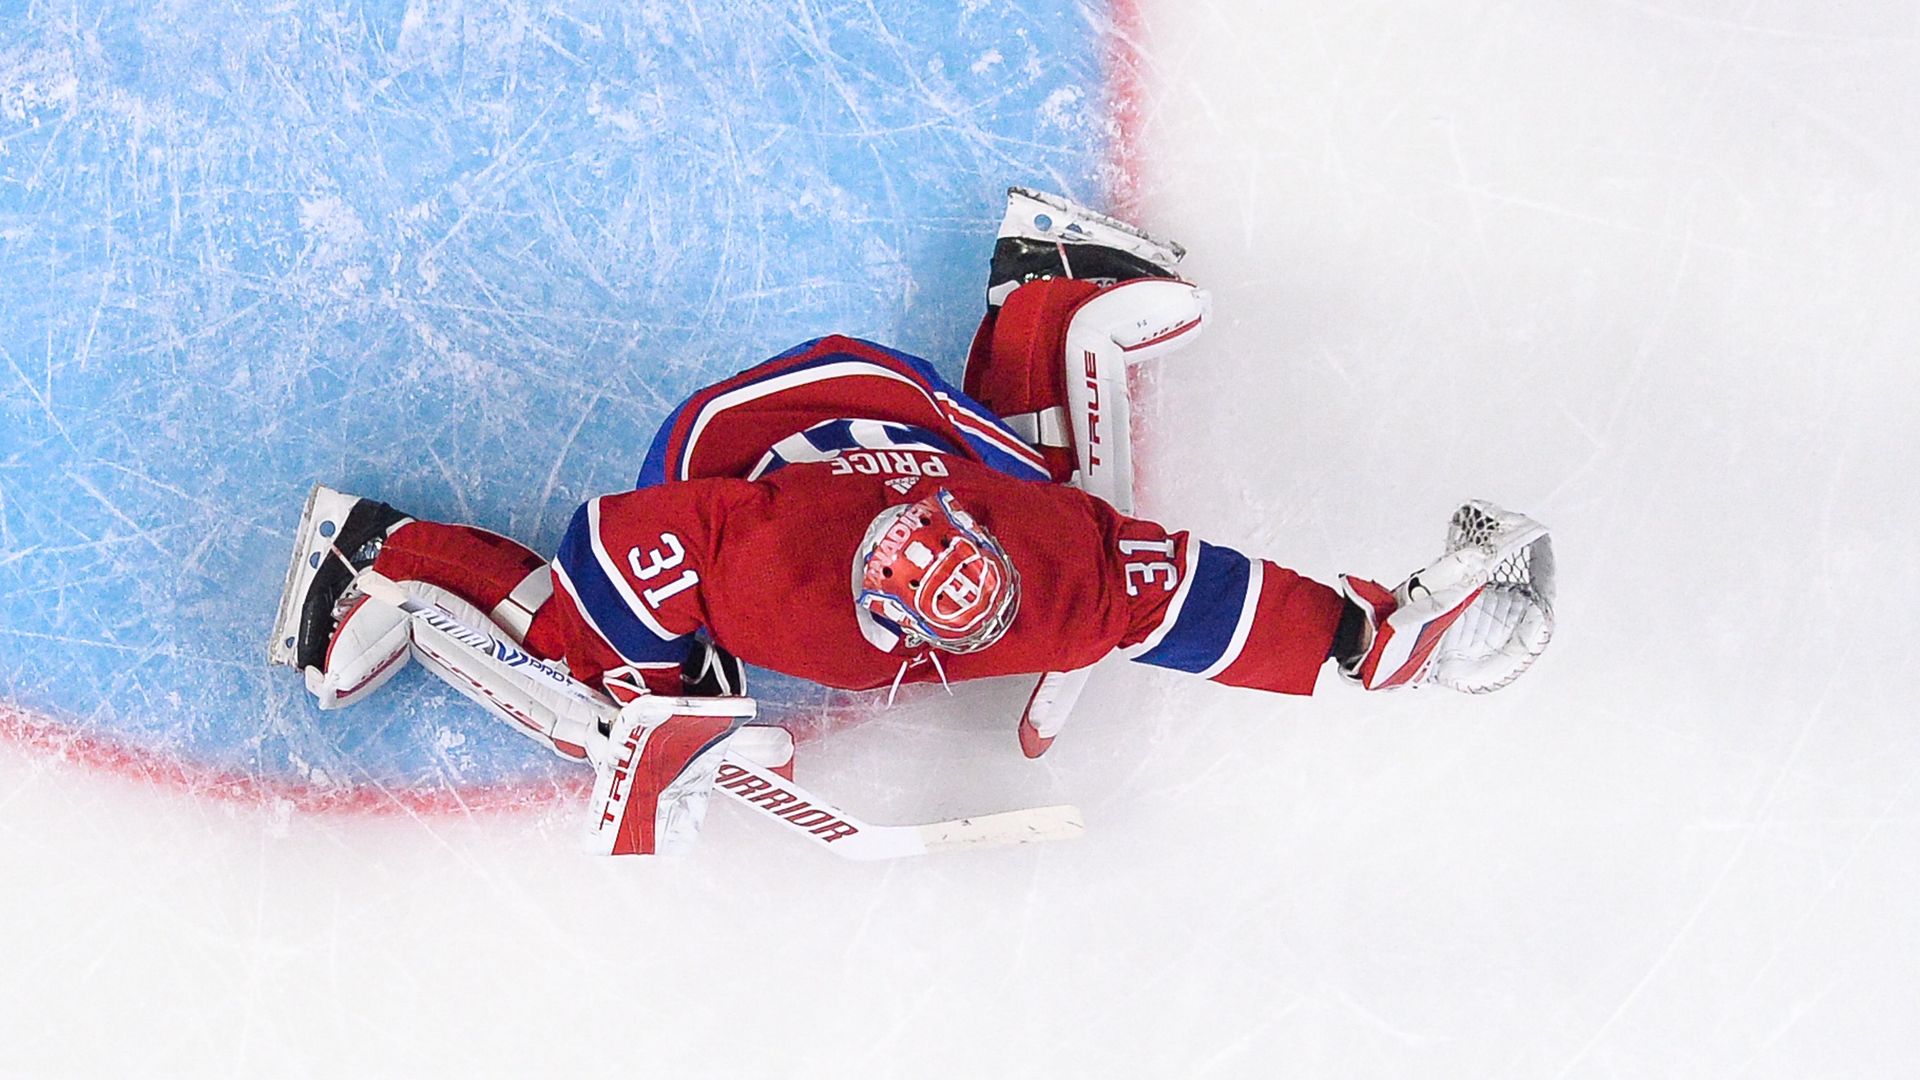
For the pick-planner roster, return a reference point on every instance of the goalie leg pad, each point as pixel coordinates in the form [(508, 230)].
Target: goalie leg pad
[(1017, 372), (766, 745), (371, 644), (501, 577), (535, 706), (1129, 323), (1145, 320)]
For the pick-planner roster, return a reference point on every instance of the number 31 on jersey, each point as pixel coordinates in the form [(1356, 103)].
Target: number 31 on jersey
[(1141, 573), (669, 554)]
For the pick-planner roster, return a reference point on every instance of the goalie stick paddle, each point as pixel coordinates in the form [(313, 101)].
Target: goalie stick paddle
[(770, 795)]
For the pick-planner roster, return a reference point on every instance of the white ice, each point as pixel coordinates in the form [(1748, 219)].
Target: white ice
[(1644, 269)]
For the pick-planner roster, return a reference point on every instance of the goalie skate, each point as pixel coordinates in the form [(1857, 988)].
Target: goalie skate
[(316, 579), (1044, 235)]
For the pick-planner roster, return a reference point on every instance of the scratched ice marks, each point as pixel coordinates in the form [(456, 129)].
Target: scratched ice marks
[(462, 256)]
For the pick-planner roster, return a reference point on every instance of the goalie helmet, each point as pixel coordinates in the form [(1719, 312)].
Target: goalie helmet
[(932, 573)]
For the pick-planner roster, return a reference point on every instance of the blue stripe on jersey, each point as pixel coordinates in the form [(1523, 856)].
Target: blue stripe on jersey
[(1002, 462), (655, 468), (1207, 619), (831, 436), (603, 605)]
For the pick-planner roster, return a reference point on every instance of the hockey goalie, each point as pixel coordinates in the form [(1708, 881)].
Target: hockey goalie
[(842, 514)]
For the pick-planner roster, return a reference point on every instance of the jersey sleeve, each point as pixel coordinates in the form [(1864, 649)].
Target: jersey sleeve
[(632, 583), (1210, 611)]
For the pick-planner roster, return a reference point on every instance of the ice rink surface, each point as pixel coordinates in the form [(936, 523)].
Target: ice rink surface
[(1645, 270)]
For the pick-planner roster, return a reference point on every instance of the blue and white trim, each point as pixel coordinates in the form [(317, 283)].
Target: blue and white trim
[(1210, 616), (996, 444), (593, 580), (831, 438), (1236, 644)]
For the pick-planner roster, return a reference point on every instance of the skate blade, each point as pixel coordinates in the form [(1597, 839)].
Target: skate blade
[(1025, 217), (323, 505)]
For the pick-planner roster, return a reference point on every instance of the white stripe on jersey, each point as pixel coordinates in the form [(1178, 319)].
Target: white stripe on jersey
[(1173, 607), (612, 570), (786, 382)]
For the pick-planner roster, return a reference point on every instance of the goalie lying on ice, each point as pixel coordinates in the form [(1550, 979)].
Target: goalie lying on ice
[(842, 514)]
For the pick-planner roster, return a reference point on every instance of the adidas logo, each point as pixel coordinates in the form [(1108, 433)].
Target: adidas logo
[(902, 484)]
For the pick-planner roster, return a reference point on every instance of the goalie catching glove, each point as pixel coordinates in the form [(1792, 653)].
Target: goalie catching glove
[(1473, 621)]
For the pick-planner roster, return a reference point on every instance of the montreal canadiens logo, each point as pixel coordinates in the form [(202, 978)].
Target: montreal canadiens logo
[(930, 572), (959, 587)]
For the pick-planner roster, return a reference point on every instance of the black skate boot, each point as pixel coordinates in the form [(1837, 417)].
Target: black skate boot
[(1045, 235), (317, 581)]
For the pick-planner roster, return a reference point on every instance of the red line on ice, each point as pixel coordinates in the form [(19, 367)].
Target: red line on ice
[(64, 742), (1125, 63)]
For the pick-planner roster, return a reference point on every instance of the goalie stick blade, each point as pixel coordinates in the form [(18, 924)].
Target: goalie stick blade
[(849, 837), (1037, 825)]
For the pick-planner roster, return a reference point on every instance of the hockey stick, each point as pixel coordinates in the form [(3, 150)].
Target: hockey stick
[(766, 792)]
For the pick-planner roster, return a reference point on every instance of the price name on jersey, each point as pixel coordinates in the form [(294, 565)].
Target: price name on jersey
[(888, 462)]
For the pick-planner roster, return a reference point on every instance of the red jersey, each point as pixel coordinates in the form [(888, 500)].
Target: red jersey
[(766, 569)]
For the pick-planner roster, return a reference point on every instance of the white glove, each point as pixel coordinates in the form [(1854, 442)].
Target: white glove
[(1473, 621)]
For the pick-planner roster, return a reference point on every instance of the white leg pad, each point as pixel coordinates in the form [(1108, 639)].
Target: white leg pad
[(544, 713), (1148, 318), (515, 613), (1131, 322), (371, 645), (766, 745), (1102, 418)]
